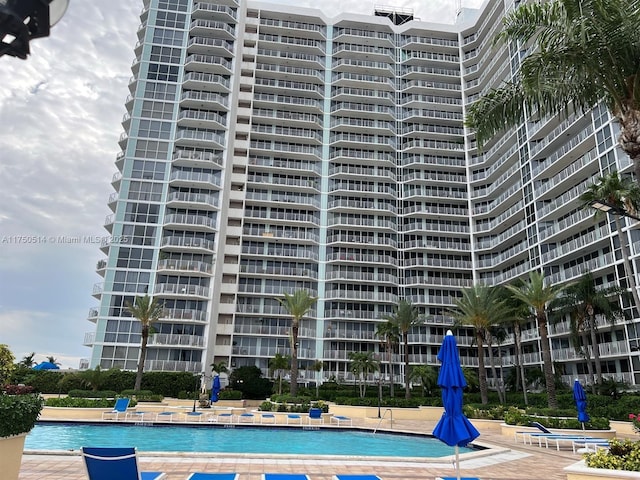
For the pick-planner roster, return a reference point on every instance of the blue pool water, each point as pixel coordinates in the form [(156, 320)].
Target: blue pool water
[(161, 438)]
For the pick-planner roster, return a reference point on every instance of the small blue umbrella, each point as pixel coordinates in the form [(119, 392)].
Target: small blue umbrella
[(46, 366), (215, 388), (454, 428), (581, 402)]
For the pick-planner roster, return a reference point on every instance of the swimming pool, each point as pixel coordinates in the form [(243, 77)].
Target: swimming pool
[(267, 440)]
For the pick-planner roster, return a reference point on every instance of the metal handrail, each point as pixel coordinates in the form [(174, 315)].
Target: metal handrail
[(381, 419)]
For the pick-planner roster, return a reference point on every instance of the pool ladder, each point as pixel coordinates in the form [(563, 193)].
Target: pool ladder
[(381, 419)]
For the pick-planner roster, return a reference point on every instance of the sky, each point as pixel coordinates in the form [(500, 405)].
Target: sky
[(60, 114)]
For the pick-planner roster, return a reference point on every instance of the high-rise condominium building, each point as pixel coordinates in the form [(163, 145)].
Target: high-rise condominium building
[(269, 148)]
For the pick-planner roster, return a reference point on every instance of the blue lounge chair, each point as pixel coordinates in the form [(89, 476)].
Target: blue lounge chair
[(340, 419), (267, 418), (248, 417), (284, 476), (104, 463), (165, 416), (120, 407), (315, 415), (294, 418), (212, 476)]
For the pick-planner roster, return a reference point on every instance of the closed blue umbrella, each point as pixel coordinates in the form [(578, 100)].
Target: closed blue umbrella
[(454, 428), (215, 388), (581, 402)]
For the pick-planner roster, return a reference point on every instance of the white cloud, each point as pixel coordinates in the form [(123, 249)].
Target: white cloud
[(60, 112)]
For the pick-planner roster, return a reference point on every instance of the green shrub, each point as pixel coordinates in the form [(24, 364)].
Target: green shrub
[(227, 394), (515, 416), (44, 381), (92, 394), (266, 406), (83, 402), (622, 455), (18, 413)]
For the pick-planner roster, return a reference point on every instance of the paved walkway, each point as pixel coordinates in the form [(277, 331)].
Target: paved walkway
[(515, 462)]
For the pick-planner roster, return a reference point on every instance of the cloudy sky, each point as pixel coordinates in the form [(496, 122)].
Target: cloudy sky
[(60, 113)]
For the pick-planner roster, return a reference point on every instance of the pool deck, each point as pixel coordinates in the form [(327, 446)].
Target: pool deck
[(511, 462)]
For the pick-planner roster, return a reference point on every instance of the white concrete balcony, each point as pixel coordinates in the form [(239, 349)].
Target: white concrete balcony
[(172, 366), (196, 245), (175, 290), (201, 201), (216, 29), (198, 223), (169, 340), (189, 158), (199, 138), (206, 82), (202, 119), (208, 64), (209, 11), (184, 315), (185, 266), (186, 178)]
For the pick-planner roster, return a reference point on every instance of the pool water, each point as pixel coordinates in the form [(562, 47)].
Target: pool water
[(161, 438)]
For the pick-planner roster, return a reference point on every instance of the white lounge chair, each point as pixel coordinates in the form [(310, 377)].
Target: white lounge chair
[(340, 419)]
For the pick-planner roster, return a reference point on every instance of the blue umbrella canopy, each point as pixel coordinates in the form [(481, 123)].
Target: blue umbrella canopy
[(46, 366), (581, 401), (215, 388), (454, 428)]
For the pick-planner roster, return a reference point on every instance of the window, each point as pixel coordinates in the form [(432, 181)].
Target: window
[(134, 258), (155, 129), (151, 149), (163, 73)]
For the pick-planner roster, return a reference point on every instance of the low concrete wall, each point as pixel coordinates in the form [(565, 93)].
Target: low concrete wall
[(419, 413), (579, 471), (624, 430)]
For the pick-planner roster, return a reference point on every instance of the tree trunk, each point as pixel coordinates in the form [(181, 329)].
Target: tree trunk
[(407, 390), (390, 368), (482, 372), (624, 246), (547, 363), (294, 358), (518, 339), (596, 348), (143, 357), (587, 357), (494, 372)]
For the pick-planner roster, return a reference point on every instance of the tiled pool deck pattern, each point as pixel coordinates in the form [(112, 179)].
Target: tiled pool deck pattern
[(520, 462)]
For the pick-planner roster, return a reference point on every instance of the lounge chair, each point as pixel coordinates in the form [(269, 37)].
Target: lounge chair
[(247, 417), (120, 407), (225, 416), (356, 477), (294, 418), (582, 445), (212, 476), (267, 418), (340, 419), (104, 463), (527, 433), (141, 416), (315, 416), (166, 416), (193, 416), (284, 476)]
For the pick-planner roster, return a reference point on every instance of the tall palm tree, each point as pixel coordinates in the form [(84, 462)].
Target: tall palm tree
[(582, 301), (298, 305), (147, 311), (53, 360), (519, 315), (362, 364), (278, 364), (595, 43), (623, 195), (389, 334), (405, 317), (480, 307), (537, 295)]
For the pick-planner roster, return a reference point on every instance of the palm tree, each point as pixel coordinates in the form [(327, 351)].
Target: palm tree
[(538, 295), (622, 194), (28, 360), (278, 364), (582, 301), (595, 43), (389, 334), (480, 307), (220, 367), (93, 378), (147, 311), (53, 360), (317, 367), (427, 375), (298, 305), (520, 314), (405, 317), (362, 364)]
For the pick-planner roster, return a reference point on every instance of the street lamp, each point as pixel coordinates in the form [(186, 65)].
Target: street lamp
[(24, 20), (613, 209)]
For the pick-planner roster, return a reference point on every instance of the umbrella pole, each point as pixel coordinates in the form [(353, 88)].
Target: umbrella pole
[(457, 462)]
